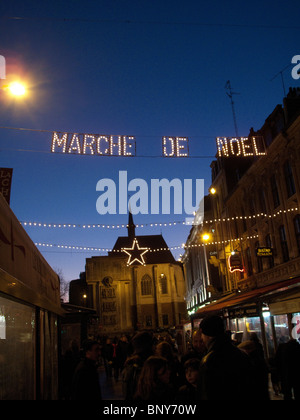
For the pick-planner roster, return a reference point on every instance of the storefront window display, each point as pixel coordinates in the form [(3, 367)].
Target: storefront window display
[(281, 328), (269, 334), (17, 350), (48, 355), (248, 326)]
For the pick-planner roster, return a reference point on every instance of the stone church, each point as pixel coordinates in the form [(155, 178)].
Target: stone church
[(137, 286)]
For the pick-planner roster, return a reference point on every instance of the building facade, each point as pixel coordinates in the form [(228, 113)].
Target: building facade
[(256, 236), (138, 286), (257, 205), (199, 260), (30, 312)]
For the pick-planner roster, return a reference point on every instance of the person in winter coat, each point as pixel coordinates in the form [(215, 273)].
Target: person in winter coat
[(225, 371), (107, 353), (197, 350), (188, 392), (85, 384), (287, 361), (177, 374), (154, 382), (260, 369), (142, 344)]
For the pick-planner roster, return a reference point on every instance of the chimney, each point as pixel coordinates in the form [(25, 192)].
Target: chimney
[(291, 105)]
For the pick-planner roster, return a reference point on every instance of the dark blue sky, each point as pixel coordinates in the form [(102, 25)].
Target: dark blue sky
[(142, 68)]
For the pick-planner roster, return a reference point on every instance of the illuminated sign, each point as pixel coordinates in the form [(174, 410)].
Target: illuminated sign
[(5, 182), (240, 147), (264, 252), (175, 147), (112, 145), (93, 144), (235, 263)]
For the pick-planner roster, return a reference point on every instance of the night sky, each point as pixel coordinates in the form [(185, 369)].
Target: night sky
[(146, 69)]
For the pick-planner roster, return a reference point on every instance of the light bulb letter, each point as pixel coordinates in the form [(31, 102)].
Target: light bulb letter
[(59, 142)]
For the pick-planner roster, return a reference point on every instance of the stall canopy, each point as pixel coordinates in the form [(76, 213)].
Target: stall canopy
[(266, 293)]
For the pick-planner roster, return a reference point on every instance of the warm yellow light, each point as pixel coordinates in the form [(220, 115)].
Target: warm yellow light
[(206, 237), (213, 190), (17, 89)]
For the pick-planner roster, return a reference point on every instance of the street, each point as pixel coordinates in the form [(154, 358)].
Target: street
[(112, 389)]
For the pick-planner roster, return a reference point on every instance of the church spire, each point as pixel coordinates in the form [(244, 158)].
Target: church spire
[(131, 226)]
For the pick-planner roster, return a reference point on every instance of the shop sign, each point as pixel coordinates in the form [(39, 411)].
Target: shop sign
[(246, 311), (5, 182), (264, 252), (235, 263)]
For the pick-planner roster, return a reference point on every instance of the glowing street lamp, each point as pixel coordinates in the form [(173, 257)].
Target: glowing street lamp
[(213, 190), (205, 237), (17, 89)]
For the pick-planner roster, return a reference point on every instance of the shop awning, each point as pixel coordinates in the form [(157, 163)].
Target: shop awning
[(251, 296)]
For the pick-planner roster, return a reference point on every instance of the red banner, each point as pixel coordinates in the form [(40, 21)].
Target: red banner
[(5, 182)]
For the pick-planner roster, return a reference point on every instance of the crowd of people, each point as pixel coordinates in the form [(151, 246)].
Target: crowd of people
[(214, 368)]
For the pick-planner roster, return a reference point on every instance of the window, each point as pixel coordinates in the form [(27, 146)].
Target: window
[(249, 262), (289, 179), (262, 201), (235, 228), (17, 350), (146, 285), (274, 189), (284, 245), (252, 211), (163, 284), (268, 138), (165, 319), (297, 231), (259, 260), (244, 220), (269, 245), (148, 321)]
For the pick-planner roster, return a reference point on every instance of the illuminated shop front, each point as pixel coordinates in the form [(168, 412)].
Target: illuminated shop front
[(271, 312), (29, 316)]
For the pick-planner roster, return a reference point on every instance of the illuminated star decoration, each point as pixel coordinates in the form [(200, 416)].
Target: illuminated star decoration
[(135, 253)]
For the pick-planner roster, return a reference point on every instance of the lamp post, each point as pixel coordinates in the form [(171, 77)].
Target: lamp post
[(205, 239), (221, 249)]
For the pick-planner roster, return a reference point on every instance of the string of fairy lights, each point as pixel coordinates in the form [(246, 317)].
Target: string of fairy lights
[(173, 248), (161, 224), (183, 246)]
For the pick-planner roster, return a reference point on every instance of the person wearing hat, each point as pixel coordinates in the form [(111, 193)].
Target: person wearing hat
[(225, 371), (259, 367)]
